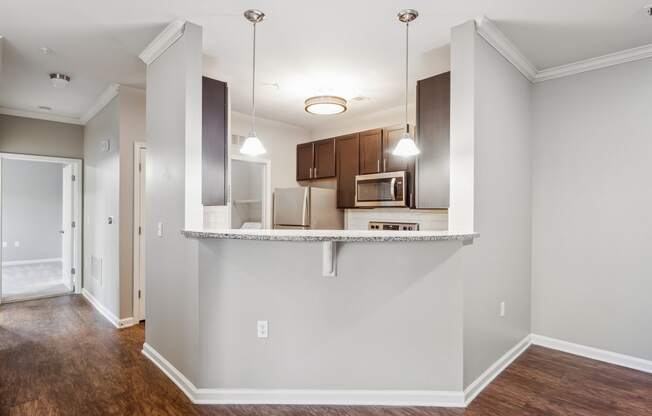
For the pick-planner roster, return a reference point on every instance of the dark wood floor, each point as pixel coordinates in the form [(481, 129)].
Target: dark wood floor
[(60, 357)]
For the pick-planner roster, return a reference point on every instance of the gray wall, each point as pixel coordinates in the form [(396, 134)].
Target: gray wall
[(101, 200), (496, 267), (391, 319), (591, 263), (40, 137), (172, 301), (31, 209)]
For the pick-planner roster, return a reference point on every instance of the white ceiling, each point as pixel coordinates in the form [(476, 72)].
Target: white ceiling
[(348, 48)]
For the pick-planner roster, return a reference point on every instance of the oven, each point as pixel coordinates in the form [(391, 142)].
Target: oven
[(381, 190)]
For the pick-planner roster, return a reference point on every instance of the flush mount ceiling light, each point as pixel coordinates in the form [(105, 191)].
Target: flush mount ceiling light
[(59, 80), (406, 146), (325, 105), (252, 145)]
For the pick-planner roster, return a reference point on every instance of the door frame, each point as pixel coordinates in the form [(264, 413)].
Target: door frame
[(267, 187), (77, 207), (137, 313)]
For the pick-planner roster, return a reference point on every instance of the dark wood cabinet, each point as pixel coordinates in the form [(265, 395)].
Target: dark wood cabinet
[(214, 142), (316, 160), (371, 151), (391, 163), (347, 149), (324, 164), (433, 139), (305, 161)]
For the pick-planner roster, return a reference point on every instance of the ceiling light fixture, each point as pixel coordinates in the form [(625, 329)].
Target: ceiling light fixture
[(406, 146), (325, 105), (59, 80), (252, 145)]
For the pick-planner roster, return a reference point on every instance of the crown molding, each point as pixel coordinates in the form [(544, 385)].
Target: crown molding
[(617, 58), (490, 32), (39, 116), (162, 41), (107, 95)]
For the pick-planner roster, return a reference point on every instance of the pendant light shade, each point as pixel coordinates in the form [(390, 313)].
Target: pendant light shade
[(252, 145), (406, 147)]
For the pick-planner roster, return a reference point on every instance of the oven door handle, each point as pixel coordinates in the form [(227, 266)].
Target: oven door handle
[(392, 189)]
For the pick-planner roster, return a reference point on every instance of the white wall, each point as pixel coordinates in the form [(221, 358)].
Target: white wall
[(496, 267), (591, 263), (32, 201)]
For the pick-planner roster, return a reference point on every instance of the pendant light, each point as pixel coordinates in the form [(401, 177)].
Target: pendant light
[(252, 145), (406, 146)]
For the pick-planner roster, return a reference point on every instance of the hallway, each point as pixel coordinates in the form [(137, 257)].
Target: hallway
[(58, 356)]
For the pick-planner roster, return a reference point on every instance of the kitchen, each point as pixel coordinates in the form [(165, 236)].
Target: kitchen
[(356, 179)]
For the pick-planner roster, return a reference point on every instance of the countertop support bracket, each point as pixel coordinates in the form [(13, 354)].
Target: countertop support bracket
[(329, 258)]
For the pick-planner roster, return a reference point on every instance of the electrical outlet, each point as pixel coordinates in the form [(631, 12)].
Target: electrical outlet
[(16, 243), (159, 229), (502, 309), (263, 329), (4, 244)]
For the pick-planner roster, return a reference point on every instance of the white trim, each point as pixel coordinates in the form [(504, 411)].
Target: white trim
[(118, 323), (162, 41), (40, 116), (472, 391), (107, 95), (490, 32), (617, 58), (594, 353), (497, 39), (36, 261), (137, 209), (303, 397)]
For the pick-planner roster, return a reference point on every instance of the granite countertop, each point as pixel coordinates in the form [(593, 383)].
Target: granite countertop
[(330, 235)]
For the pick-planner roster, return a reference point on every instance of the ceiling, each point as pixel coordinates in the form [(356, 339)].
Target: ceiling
[(348, 48)]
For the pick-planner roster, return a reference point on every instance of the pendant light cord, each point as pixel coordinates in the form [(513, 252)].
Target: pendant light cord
[(407, 46), (253, 90)]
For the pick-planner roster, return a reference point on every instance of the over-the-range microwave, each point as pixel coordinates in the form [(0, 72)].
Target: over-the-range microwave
[(381, 190)]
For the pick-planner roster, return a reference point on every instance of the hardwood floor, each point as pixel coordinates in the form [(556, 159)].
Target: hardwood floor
[(60, 357)]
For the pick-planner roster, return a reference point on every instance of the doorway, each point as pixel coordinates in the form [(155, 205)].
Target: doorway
[(140, 169), (40, 208), (250, 193)]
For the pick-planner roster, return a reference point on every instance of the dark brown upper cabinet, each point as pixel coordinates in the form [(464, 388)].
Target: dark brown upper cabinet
[(305, 161), (371, 151), (433, 139), (391, 163), (347, 149), (324, 165), (316, 160), (214, 142)]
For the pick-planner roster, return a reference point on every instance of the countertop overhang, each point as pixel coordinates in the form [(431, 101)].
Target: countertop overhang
[(361, 236)]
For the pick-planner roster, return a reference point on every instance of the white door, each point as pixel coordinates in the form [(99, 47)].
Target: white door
[(67, 236), (139, 224)]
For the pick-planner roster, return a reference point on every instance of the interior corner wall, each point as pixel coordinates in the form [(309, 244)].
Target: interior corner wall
[(496, 267), (171, 262), (591, 204), (101, 201), (40, 137), (132, 129)]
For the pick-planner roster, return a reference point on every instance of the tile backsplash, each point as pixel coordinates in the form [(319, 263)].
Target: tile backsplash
[(431, 220)]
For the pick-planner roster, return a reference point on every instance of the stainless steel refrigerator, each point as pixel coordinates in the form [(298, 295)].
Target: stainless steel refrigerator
[(307, 208)]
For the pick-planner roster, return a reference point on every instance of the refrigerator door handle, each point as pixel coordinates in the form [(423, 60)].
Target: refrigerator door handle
[(306, 207)]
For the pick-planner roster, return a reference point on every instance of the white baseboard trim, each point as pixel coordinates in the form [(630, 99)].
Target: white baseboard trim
[(593, 353), (472, 391), (303, 397), (35, 261), (118, 323)]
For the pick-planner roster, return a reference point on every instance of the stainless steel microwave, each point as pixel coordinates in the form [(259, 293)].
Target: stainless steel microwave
[(381, 190)]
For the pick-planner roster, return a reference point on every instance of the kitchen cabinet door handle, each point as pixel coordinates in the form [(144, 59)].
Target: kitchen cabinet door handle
[(378, 165), (315, 172), (310, 173), (384, 164)]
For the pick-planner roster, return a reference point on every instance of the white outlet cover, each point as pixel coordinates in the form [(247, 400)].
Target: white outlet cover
[(262, 328), (4, 244), (16, 243), (105, 145)]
